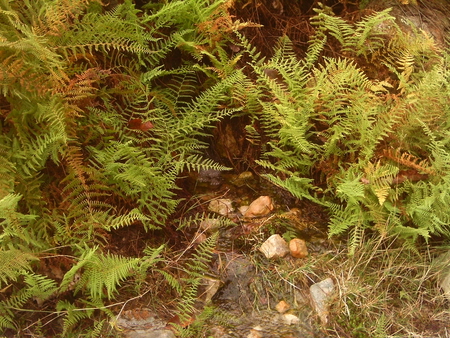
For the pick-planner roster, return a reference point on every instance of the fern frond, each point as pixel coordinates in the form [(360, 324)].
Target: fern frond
[(13, 263)]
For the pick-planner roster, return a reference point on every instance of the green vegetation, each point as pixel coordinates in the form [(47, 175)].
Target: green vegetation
[(101, 111)]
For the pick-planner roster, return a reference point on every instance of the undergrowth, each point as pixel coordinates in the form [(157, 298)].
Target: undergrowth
[(101, 111)]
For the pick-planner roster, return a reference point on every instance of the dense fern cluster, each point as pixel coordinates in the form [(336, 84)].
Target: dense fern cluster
[(373, 150), (95, 130), (102, 110)]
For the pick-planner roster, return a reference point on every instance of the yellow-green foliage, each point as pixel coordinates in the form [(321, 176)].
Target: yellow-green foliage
[(373, 150), (95, 129)]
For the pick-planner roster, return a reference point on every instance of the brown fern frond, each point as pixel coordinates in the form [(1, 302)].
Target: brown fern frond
[(408, 160)]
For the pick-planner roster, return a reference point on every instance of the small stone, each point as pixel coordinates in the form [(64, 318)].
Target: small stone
[(298, 248), (208, 288), (221, 206), (260, 207), (243, 209), (274, 247), (210, 224), (290, 319), (282, 307), (320, 293), (242, 179), (256, 332)]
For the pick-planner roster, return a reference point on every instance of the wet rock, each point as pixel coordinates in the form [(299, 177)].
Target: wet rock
[(262, 206), (221, 206), (282, 307), (274, 247), (297, 248), (320, 293)]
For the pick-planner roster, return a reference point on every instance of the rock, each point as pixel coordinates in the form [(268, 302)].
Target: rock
[(274, 247), (443, 264), (243, 209), (256, 332), (290, 319), (149, 334), (142, 323), (243, 178), (320, 293), (298, 248), (282, 307), (208, 288), (260, 207), (210, 224), (221, 206), (210, 177)]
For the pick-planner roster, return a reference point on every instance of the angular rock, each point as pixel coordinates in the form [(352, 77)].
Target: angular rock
[(274, 247), (298, 248), (320, 293), (221, 206), (262, 206)]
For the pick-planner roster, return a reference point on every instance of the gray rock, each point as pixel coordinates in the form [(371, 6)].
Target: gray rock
[(443, 263), (320, 293)]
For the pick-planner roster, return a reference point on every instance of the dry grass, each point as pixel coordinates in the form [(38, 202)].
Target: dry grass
[(388, 290)]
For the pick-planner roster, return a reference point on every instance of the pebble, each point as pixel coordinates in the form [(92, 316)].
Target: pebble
[(274, 247), (282, 307), (290, 319), (221, 206), (262, 206), (210, 224), (298, 248)]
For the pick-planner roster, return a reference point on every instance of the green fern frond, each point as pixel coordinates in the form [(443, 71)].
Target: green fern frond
[(13, 263), (102, 273)]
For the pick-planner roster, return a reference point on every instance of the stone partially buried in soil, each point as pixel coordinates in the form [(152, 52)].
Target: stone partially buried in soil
[(274, 247)]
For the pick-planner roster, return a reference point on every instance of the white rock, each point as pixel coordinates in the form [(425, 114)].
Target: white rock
[(274, 247), (290, 319), (221, 206), (260, 207), (320, 293)]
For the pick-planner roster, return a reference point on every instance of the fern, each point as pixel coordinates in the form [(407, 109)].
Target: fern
[(331, 127)]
